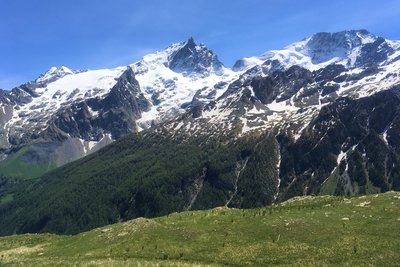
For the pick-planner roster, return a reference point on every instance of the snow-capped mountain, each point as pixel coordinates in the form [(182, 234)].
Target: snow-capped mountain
[(65, 114), (321, 116), (85, 110), (288, 87), (173, 77)]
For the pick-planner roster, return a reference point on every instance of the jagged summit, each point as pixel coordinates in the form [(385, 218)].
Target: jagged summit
[(173, 77), (192, 58), (187, 58), (190, 42)]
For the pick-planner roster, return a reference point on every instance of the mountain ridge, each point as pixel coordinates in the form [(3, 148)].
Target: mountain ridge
[(187, 77)]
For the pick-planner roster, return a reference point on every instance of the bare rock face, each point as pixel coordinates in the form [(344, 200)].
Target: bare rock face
[(195, 59)]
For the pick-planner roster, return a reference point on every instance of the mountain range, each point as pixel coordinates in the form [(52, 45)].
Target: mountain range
[(178, 130)]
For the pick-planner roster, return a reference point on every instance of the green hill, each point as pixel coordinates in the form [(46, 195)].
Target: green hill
[(142, 176), (307, 231)]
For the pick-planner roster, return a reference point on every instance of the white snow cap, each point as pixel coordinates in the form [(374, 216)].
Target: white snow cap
[(53, 72)]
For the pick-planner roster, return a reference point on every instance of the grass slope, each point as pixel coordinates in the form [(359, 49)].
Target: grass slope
[(309, 231), (15, 167)]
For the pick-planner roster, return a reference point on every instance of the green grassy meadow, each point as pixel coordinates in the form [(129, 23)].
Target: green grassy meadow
[(305, 231)]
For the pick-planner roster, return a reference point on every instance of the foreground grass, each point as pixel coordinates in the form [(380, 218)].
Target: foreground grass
[(318, 231)]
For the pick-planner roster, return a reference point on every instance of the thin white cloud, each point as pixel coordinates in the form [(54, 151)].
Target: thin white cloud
[(131, 57)]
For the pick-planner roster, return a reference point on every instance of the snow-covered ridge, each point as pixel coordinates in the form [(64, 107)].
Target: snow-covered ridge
[(63, 91), (83, 83), (321, 50), (55, 73)]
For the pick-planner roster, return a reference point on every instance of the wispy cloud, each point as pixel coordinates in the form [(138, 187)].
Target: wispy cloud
[(129, 57)]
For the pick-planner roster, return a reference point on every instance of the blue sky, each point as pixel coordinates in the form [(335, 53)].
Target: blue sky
[(89, 34)]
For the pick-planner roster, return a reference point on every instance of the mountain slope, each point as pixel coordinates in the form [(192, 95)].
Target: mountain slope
[(143, 175), (310, 231), (69, 114), (349, 148)]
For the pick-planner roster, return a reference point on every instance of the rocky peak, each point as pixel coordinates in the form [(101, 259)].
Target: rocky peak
[(190, 42), (192, 58), (126, 94), (128, 78)]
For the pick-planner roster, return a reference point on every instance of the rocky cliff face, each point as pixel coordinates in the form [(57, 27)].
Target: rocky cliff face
[(195, 59), (348, 148)]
